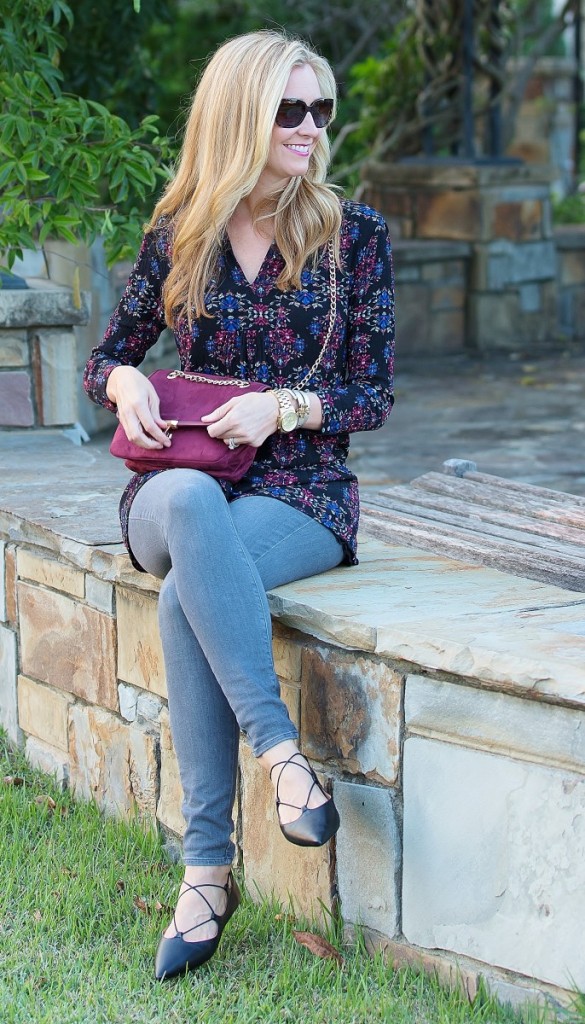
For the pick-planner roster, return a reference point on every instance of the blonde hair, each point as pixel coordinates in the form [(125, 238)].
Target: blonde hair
[(225, 149)]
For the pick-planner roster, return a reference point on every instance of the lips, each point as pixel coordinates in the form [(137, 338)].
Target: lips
[(299, 150)]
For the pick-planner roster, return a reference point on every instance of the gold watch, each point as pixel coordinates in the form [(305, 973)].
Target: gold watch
[(288, 416)]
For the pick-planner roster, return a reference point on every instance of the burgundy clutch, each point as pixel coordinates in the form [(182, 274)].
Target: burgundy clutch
[(184, 399)]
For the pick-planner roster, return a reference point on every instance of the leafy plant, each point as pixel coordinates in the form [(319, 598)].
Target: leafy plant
[(411, 87), (388, 88), (121, 68), (570, 210), (69, 168)]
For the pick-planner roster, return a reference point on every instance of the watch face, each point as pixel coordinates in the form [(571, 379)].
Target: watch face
[(288, 420)]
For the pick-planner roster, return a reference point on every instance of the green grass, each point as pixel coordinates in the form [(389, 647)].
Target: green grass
[(75, 948)]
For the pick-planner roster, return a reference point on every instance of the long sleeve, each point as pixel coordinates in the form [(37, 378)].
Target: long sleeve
[(137, 321), (364, 401)]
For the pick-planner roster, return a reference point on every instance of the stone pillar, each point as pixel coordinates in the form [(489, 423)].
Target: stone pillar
[(504, 212), (544, 132), (38, 378), (570, 243)]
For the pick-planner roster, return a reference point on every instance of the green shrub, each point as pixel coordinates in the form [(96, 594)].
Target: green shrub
[(570, 210), (69, 168)]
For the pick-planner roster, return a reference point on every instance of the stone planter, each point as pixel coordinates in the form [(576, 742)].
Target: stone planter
[(38, 379)]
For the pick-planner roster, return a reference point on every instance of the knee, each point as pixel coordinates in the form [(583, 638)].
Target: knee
[(168, 602), (191, 493)]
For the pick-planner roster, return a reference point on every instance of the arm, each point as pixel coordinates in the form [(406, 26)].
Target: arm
[(365, 400), (135, 324)]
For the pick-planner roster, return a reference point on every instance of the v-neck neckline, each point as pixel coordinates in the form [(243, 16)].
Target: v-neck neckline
[(254, 282)]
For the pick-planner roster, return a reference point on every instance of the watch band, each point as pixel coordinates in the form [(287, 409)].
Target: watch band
[(287, 414)]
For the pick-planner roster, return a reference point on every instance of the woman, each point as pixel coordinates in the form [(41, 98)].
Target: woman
[(240, 258)]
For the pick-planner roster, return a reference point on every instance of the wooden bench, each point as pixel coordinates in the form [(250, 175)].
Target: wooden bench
[(528, 531)]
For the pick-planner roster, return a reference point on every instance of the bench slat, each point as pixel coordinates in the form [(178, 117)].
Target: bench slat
[(460, 488), (457, 542), (479, 518), (530, 490)]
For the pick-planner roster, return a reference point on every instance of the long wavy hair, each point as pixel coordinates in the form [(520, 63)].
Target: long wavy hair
[(225, 149)]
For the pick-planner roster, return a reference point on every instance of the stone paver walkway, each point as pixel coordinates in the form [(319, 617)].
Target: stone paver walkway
[(519, 418)]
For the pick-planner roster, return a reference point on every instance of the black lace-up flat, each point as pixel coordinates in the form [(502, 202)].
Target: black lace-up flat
[(175, 956), (315, 825)]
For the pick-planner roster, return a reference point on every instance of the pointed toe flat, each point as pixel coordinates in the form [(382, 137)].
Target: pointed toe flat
[(175, 956), (315, 826)]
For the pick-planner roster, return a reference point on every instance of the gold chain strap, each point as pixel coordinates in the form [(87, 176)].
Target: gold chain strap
[(235, 382), (332, 315), (224, 382)]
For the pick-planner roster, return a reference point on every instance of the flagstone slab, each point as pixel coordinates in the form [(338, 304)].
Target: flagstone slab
[(540, 651), (497, 722), (67, 645), (494, 860)]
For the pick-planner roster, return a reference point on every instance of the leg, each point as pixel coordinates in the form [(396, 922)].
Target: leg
[(216, 630), (289, 546), (220, 592), (166, 528), (205, 736)]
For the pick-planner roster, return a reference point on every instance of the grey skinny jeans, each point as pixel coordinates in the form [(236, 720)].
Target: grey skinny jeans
[(217, 560)]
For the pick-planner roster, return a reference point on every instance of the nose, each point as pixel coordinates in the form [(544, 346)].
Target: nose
[(308, 126)]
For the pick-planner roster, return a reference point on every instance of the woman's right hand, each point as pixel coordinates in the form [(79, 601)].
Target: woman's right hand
[(138, 407)]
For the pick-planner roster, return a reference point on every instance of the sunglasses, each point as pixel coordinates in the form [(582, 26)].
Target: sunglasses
[(292, 113)]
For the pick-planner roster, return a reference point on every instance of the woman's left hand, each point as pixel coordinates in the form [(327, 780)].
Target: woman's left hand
[(248, 419)]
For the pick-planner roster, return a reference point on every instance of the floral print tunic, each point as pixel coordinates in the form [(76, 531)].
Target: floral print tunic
[(258, 332)]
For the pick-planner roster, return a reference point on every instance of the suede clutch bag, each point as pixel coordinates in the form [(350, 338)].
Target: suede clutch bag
[(184, 399)]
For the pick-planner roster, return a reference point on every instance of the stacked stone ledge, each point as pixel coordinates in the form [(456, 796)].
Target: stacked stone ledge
[(454, 754)]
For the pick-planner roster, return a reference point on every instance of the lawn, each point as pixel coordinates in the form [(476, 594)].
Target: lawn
[(83, 899)]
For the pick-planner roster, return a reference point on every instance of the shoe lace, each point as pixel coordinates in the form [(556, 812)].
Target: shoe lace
[(307, 768), (213, 915)]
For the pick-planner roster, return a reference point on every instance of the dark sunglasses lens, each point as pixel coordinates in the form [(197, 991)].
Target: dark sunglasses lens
[(322, 111), (290, 115)]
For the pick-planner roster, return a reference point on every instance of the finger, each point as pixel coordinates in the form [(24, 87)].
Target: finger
[(152, 429), (224, 428), (154, 410), (141, 429), (151, 421), (222, 410)]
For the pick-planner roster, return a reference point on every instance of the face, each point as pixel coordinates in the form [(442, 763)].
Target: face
[(290, 148)]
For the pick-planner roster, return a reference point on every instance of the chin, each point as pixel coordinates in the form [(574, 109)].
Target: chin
[(298, 166)]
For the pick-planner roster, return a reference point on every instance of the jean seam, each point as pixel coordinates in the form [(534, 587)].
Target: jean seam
[(152, 520), (206, 863)]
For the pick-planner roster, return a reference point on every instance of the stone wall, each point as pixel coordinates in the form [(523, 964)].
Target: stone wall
[(503, 213), (441, 702), (431, 296)]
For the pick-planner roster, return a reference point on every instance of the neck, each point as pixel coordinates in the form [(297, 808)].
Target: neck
[(263, 189)]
